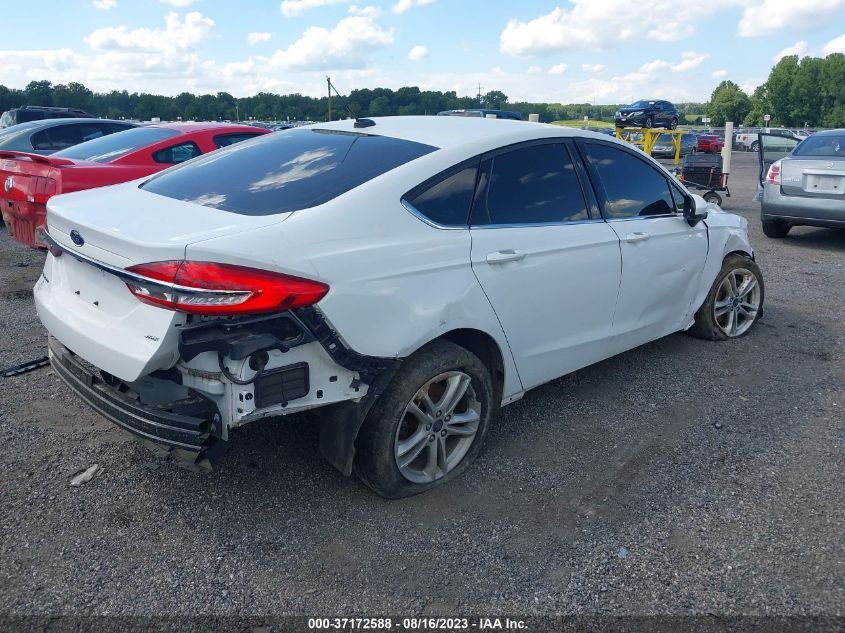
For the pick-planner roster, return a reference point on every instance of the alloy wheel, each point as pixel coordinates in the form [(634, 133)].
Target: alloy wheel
[(737, 302), (437, 427)]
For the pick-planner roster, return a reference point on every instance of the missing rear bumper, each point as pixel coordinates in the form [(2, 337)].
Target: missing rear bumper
[(184, 426)]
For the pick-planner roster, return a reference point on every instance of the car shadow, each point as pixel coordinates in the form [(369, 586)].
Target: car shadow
[(816, 238)]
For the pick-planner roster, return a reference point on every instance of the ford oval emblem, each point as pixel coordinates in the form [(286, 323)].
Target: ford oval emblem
[(76, 238), (8, 184)]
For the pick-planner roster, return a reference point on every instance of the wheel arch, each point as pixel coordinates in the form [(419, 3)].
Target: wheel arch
[(488, 351)]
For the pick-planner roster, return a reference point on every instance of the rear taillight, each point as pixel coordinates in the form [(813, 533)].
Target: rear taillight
[(221, 289), (40, 189), (773, 177)]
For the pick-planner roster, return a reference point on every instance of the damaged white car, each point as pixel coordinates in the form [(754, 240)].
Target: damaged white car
[(407, 276)]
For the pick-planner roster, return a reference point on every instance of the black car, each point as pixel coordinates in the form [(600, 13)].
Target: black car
[(648, 113), (46, 137), (25, 114), (483, 112)]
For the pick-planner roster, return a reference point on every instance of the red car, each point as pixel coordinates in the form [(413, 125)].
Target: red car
[(29, 180), (709, 143)]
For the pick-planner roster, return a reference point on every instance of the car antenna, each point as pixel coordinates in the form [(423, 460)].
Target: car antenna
[(359, 122)]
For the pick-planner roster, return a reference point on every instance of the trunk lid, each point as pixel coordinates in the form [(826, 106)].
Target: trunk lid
[(89, 309), (124, 225), (813, 177), (26, 183)]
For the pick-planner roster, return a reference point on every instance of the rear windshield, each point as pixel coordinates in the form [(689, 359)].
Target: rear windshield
[(282, 172), (108, 148), (822, 145)]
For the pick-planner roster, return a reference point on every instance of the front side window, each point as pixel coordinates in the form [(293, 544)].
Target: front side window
[(224, 140), (532, 185), (629, 185), (177, 153), (447, 201)]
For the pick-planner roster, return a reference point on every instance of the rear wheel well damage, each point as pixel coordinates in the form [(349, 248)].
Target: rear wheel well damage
[(341, 422)]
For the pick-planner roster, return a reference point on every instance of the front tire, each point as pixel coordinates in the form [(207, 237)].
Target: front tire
[(755, 146), (429, 424), (735, 302), (776, 229), (673, 124), (648, 122)]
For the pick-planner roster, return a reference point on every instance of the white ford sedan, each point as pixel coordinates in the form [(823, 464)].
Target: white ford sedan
[(407, 276)]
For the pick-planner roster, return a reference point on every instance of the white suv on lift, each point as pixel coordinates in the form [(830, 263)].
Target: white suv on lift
[(406, 275)]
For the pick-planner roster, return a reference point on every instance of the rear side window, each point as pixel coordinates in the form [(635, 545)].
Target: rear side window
[(224, 140), (533, 185), (177, 153), (113, 146), (630, 186), (447, 201), (278, 173), (62, 136)]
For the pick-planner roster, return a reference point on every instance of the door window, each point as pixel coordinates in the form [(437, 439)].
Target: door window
[(629, 186), (224, 140), (537, 184), (177, 153)]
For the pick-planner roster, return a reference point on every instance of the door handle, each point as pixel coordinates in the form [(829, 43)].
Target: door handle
[(637, 237), (510, 255)]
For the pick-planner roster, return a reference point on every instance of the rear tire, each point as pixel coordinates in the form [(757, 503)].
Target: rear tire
[(673, 124), (731, 308), (755, 146), (712, 196), (775, 229), (415, 405), (648, 122)]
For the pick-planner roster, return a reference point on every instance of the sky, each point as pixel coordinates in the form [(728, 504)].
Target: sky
[(575, 51)]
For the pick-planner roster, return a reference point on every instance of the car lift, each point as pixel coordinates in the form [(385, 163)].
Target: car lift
[(645, 138)]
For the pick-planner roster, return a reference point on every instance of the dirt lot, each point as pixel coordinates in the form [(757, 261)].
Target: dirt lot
[(682, 477)]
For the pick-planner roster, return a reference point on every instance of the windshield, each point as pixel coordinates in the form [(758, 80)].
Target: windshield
[(641, 104), (111, 147), (283, 172), (832, 145)]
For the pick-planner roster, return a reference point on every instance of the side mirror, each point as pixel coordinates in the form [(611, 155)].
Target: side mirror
[(695, 210)]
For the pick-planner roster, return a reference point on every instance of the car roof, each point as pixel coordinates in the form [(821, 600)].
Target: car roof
[(71, 120), (199, 126), (445, 132)]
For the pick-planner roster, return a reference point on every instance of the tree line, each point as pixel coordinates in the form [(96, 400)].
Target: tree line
[(808, 92), (266, 106)]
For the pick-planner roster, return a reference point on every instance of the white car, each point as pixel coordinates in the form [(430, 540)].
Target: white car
[(407, 275)]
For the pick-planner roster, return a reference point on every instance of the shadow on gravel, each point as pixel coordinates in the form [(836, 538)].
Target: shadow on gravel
[(816, 239)]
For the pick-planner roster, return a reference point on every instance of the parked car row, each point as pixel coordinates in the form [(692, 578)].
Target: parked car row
[(294, 271), (32, 175)]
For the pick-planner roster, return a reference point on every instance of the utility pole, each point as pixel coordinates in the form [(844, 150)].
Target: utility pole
[(479, 94), (329, 84)]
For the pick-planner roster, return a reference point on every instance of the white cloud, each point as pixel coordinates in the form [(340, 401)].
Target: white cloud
[(799, 48), (602, 25), (405, 5), (179, 4), (770, 16), (105, 5), (533, 70), (836, 45), (558, 69), (176, 35), (689, 60), (345, 46), (254, 38), (417, 53), (592, 68), (293, 8), (368, 11), (719, 74)]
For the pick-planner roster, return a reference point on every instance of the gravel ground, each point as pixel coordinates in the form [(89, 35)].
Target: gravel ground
[(683, 477)]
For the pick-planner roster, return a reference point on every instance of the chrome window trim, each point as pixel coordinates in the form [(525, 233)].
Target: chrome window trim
[(126, 275), (420, 216), (519, 225), (677, 214)]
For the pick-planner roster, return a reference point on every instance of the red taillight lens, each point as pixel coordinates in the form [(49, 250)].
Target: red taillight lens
[(40, 189), (222, 289), (773, 177)]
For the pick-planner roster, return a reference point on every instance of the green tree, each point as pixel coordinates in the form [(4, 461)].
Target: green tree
[(495, 100), (39, 93), (727, 103), (779, 88)]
